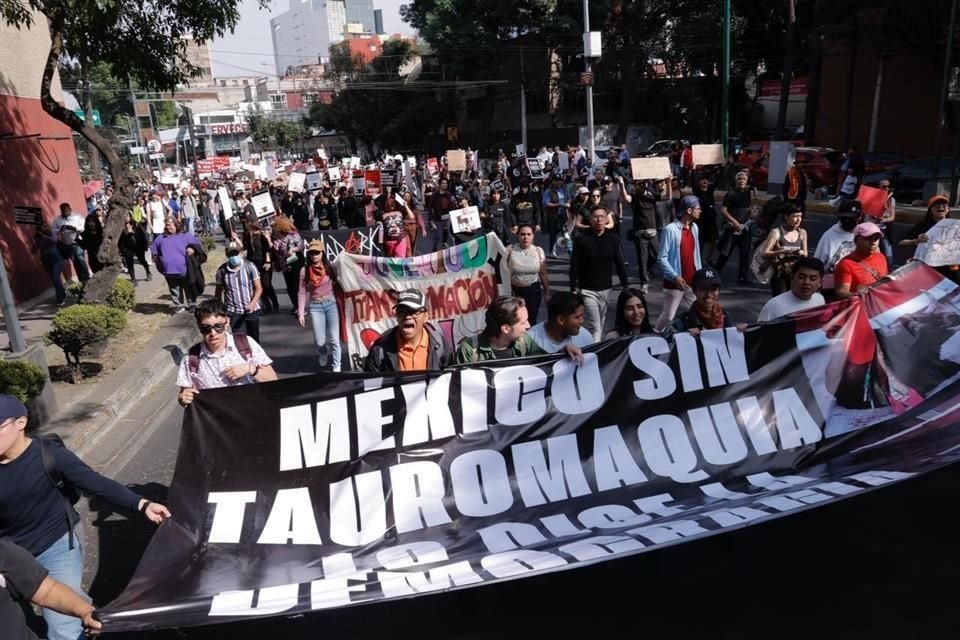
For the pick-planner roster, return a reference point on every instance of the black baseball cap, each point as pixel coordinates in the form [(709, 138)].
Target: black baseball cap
[(706, 278), (850, 208)]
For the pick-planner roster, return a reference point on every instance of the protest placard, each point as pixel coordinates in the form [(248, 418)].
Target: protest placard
[(520, 150), (373, 181), (334, 174), (297, 182), (389, 178), (456, 160), (707, 154), (239, 186), (313, 181), (650, 168), (873, 200), (354, 162), (465, 220), (262, 204), (359, 184), (433, 167), (225, 202), (942, 247), (563, 160), (536, 169)]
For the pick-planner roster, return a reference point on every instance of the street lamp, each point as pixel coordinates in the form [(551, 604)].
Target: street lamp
[(591, 49)]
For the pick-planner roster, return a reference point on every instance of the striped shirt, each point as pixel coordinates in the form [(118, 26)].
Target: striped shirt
[(238, 286)]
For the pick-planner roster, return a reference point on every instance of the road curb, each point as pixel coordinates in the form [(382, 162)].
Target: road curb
[(85, 422), (905, 214)]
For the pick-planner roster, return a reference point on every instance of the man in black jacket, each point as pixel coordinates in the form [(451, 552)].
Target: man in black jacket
[(412, 345), (596, 255)]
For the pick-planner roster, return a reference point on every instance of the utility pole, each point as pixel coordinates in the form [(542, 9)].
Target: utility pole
[(523, 107), (943, 89), (10, 316), (787, 72), (725, 94), (586, 67)]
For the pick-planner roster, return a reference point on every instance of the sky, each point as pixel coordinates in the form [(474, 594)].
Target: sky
[(249, 50)]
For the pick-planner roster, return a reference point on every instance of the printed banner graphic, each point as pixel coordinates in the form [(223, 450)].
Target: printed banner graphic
[(360, 240), (459, 282), (329, 491)]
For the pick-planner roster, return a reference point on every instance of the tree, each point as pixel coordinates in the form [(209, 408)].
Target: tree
[(144, 41)]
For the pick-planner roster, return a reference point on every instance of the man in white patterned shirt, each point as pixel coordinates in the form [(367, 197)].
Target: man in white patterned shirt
[(221, 359)]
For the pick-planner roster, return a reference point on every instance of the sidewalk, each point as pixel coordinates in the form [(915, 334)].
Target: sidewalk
[(157, 340)]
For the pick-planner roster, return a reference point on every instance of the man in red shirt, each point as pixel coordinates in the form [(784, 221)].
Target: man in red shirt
[(865, 266)]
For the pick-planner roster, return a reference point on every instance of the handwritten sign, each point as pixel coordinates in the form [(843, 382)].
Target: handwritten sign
[(650, 168), (942, 247), (465, 220), (456, 160), (706, 154)]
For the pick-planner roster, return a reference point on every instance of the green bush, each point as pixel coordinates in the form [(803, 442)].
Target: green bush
[(75, 289), (209, 243), (123, 296), (76, 328), (21, 379)]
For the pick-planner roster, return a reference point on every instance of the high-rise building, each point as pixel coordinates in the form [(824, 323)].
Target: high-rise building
[(198, 53), (378, 22), (303, 34)]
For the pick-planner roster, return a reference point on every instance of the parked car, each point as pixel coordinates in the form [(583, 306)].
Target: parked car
[(908, 179), (660, 148), (821, 166), (754, 152), (877, 161)]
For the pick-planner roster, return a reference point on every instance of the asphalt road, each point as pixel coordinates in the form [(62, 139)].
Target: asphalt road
[(880, 565)]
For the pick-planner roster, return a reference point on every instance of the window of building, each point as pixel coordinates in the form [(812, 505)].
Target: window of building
[(310, 98), (279, 100)]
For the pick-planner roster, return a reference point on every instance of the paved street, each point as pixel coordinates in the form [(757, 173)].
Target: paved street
[(779, 578)]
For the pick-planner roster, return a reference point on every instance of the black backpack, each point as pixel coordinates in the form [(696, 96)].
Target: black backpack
[(66, 490)]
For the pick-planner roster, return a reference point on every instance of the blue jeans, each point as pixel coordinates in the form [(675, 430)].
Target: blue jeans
[(189, 225), (64, 565), (325, 320), (53, 264), (74, 253)]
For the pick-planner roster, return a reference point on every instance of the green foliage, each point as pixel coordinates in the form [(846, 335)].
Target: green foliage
[(271, 132), (209, 243), (21, 379), (75, 289), (165, 114), (76, 328), (123, 296), (374, 103)]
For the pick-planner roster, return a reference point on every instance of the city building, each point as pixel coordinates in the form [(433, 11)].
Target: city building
[(198, 53), (38, 163), (303, 34)]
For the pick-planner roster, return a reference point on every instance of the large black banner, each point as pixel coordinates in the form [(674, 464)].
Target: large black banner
[(336, 490)]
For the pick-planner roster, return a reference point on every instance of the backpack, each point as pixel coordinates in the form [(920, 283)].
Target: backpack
[(239, 339), (67, 491)]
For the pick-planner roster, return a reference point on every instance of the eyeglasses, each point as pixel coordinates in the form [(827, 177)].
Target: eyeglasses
[(219, 327), (594, 195)]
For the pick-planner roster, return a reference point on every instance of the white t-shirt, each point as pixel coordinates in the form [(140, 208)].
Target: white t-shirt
[(211, 366), (75, 223), (539, 334), (835, 243), (786, 303), (155, 212)]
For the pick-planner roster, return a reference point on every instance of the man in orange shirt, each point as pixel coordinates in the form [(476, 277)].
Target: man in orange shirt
[(865, 266), (412, 345)]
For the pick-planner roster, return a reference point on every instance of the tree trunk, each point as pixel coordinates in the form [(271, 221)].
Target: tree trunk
[(99, 286), (87, 95)]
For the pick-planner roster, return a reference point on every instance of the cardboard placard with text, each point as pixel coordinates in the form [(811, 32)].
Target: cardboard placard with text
[(650, 168), (456, 160), (707, 154)]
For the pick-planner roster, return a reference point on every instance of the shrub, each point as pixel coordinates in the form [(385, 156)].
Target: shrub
[(209, 243), (76, 328), (21, 379), (75, 289), (122, 296)]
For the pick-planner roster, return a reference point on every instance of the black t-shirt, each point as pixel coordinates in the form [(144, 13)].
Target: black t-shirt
[(644, 205), (21, 577), (738, 204)]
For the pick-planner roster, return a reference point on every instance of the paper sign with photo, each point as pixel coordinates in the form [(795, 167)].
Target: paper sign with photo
[(225, 203), (433, 167), (262, 204), (456, 160), (650, 168), (373, 181), (359, 184), (313, 181), (536, 169), (297, 182), (465, 220), (334, 174), (707, 154), (354, 162), (520, 150)]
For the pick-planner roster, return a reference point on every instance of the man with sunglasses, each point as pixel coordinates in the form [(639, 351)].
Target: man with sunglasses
[(414, 344), (221, 359)]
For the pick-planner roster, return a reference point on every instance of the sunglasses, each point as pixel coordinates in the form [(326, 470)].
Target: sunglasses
[(219, 327), (594, 195)]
